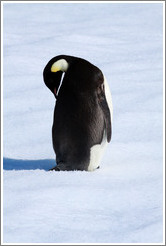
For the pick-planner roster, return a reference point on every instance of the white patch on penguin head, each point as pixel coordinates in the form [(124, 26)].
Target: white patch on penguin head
[(60, 65)]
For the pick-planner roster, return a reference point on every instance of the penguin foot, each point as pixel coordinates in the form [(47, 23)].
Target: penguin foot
[(63, 168), (60, 167), (55, 169)]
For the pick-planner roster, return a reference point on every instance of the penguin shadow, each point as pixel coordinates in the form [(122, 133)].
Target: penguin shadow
[(19, 164)]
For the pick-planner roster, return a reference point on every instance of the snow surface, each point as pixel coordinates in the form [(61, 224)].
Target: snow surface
[(121, 202)]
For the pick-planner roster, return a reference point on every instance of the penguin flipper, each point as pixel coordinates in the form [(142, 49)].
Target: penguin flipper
[(106, 112)]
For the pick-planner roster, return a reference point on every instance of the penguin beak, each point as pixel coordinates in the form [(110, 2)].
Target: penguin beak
[(55, 93), (52, 81)]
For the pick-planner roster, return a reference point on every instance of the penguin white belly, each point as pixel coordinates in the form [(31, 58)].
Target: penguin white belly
[(96, 153)]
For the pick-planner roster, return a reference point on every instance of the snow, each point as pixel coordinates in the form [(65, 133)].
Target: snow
[(122, 202)]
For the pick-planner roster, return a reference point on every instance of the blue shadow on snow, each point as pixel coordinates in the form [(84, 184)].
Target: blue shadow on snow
[(17, 164)]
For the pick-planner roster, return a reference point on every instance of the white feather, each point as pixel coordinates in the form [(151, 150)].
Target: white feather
[(108, 97), (96, 153)]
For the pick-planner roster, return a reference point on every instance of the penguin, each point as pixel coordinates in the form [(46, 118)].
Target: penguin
[(82, 120)]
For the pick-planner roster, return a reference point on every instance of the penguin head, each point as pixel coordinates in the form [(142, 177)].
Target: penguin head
[(80, 74), (53, 71)]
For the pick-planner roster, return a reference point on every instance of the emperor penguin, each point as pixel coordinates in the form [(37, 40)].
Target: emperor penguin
[(82, 121)]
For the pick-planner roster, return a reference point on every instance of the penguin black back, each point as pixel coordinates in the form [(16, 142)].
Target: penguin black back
[(82, 115)]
